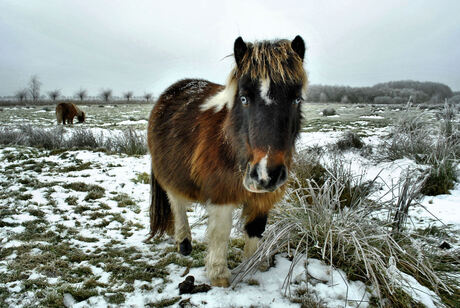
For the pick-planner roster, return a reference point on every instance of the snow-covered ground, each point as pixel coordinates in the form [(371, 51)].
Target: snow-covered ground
[(46, 208)]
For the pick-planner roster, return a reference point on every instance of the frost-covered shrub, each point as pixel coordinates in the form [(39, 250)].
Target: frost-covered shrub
[(43, 138), (84, 138), (10, 136), (131, 143)]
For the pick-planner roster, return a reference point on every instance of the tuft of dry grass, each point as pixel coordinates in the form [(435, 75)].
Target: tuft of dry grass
[(437, 147), (349, 140), (312, 223), (129, 142)]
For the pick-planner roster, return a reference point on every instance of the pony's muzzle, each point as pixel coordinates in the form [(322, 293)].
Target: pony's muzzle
[(259, 178)]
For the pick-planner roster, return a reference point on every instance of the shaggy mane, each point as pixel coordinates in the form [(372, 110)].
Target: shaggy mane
[(273, 60)]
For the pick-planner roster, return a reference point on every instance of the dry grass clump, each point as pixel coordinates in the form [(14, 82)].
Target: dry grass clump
[(307, 165), (349, 140), (308, 168), (409, 136), (314, 224), (439, 148), (84, 138), (131, 142)]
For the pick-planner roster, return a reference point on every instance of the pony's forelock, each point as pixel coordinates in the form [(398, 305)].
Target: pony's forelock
[(274, 60)]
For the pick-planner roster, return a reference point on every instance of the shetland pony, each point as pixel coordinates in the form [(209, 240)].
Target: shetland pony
[(65, 112), (226, 146)]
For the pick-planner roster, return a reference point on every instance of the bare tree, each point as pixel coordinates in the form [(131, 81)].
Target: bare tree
[(148, 96), (81, 94), (106, 95), (128, 95), (54, 94), (21, 95), (34, 88)]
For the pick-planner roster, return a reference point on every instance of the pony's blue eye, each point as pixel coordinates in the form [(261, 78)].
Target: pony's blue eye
[(297, 101), (244, 100)]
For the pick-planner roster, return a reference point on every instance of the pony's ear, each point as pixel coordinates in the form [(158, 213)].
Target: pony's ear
[(239, 49), (298, 46)]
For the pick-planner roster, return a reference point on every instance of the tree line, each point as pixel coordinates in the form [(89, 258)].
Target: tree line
[(392, 92), (32, 93), (384, 93)]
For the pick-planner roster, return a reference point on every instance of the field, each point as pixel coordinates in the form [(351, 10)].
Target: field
[(74, 215)]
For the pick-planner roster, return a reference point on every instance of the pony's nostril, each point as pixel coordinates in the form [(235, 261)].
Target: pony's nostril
[(279, 176), (283, 175), (253, 174)]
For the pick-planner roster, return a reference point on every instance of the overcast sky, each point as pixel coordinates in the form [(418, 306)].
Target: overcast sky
[(144, 46)]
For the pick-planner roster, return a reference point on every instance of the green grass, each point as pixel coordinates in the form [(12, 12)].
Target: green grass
[(124, 200), (143, 178), (167, 302), (118, 298), (95, 193), (71, 200), (80, 186)]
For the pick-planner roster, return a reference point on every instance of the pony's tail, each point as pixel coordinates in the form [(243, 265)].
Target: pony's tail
[(161, 217)]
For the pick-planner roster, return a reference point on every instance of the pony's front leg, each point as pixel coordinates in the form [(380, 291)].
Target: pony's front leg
[(219, 227), (254, 228)]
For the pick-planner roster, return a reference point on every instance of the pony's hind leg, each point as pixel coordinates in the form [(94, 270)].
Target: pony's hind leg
[(219, 227), (182, 233)]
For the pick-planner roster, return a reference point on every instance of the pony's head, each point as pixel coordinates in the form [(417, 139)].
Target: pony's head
[(269, 86), (81, 116)]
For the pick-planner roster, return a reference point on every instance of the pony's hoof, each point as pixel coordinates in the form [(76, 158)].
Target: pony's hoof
[(185, 247), (220, 282)]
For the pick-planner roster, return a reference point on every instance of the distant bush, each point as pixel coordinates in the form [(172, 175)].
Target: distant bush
[(329, 112), (455, 99)]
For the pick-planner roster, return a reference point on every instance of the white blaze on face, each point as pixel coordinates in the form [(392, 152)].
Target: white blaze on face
[(262, 171), (264, 88)]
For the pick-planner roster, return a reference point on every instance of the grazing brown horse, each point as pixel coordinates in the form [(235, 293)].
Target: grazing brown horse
[(226, 146), (65, 112)]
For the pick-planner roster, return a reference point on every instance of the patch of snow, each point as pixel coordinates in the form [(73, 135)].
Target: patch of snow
[(334, 288), (410, 285), (130, 122), (372, 117)]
